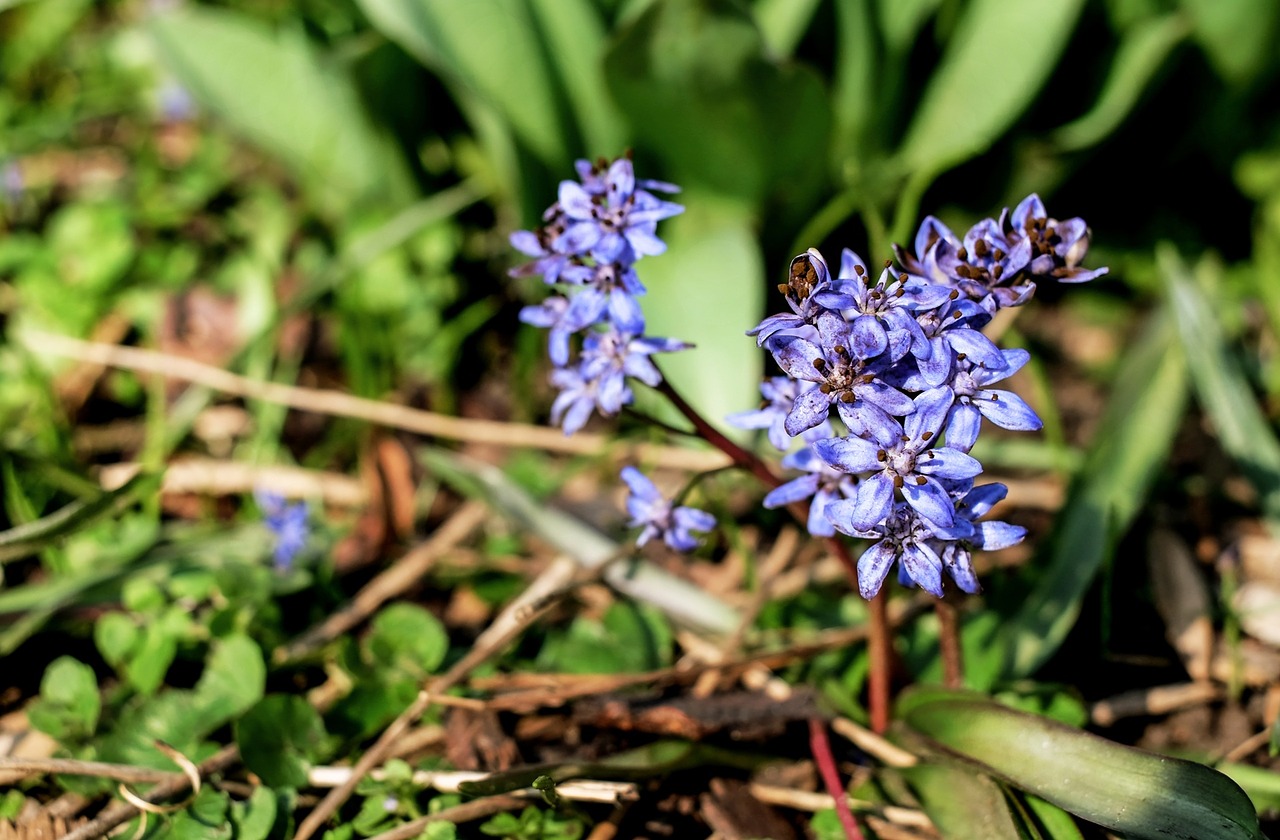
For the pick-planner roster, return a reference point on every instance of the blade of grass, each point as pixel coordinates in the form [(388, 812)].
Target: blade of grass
[(1147, 405), (1218, 377)]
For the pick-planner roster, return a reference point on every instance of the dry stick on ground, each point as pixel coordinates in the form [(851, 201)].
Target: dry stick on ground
[(401, 575), (555, 582), (121, 812), (98, 769), (466, 812), (339, 404)]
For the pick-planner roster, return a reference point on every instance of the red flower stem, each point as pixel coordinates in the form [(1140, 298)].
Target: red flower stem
[(878, 633), (879, 651), (820, 746), (949, 645)]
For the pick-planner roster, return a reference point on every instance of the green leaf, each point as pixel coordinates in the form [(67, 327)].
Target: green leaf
[(1142, 52), (279, 738), (68, 706), (694, 80), (203, 819), (282, 95), (233, 680), (1221, 386), (1147, 404), (1126, 790), (575, 39), (408, 639), (712, 265), (146, 668), (978, 91), (27, 539), (256, 816), (631, 638), (853, 103), (1261, 784), (962, 803), (1238, 36), (1054, 823), (489, 47), (115, 635)]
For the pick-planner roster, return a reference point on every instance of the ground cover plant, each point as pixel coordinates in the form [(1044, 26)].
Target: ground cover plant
[(639, 418)]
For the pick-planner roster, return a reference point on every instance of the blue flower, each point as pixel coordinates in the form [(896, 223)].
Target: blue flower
[(956, 544), (287, 524), (652, 511), (903, 536), (1056, 248), (615, 224), (907, 460), (779, 394), (822, 483), (974, 401)]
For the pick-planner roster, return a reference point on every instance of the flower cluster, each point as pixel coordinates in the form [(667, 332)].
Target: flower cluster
[(587, 249), (659, 517), (903, 363)]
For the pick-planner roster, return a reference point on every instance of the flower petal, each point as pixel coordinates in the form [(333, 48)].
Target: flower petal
[(929, 499), (873, 567), (924, 567), (948, 463), (852, 455), (872, 502), (1007, 410)]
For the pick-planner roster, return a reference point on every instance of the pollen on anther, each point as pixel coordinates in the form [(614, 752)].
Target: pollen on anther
[(920, 480), (882, 456), (926, 435), (995, 397), (897, 481)]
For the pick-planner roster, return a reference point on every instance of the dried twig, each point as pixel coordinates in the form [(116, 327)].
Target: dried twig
[(1159, 700), (339, 404), (98, 769)]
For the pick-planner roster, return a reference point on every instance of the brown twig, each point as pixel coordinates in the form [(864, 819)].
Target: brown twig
[(121, 812), (98, 769), (466, 812), (517, 617), (339, 404)]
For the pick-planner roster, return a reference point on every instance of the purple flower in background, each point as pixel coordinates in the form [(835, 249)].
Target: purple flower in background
[(779, 394), (659, 518), (822, 483), (287, 523), (617, 224)]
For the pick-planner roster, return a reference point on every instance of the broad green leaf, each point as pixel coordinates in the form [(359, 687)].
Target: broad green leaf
[(490, 47), (978, 90), (233, 680), (1147, 404), (68, 705), (280, 93), (694, 80), (203, 819), (256, 816), (1142, 52), (1237, 35), (708, 289), (279, 738), (407, 638), (1262, 785), (147, 666), (27, 539), (1126, 790), (962, 803), (575, 38), (783, 23), (1222, 388), (631, 638)]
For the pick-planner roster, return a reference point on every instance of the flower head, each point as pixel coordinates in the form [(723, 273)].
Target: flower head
[(659, 518)]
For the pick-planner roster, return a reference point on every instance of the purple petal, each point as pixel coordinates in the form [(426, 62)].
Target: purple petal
[(868, 337), (578, 238), (852, 455), (796, 490), (527, 242), (929, 499), (872, 502), (924, 567), (977, 348), (810, 408), (693, 519), (873, 567), (1030, 207), (963, 427), (948, 463), (931, 409), (959, 565), (997, 535), (980, 500), (1007, 410)]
